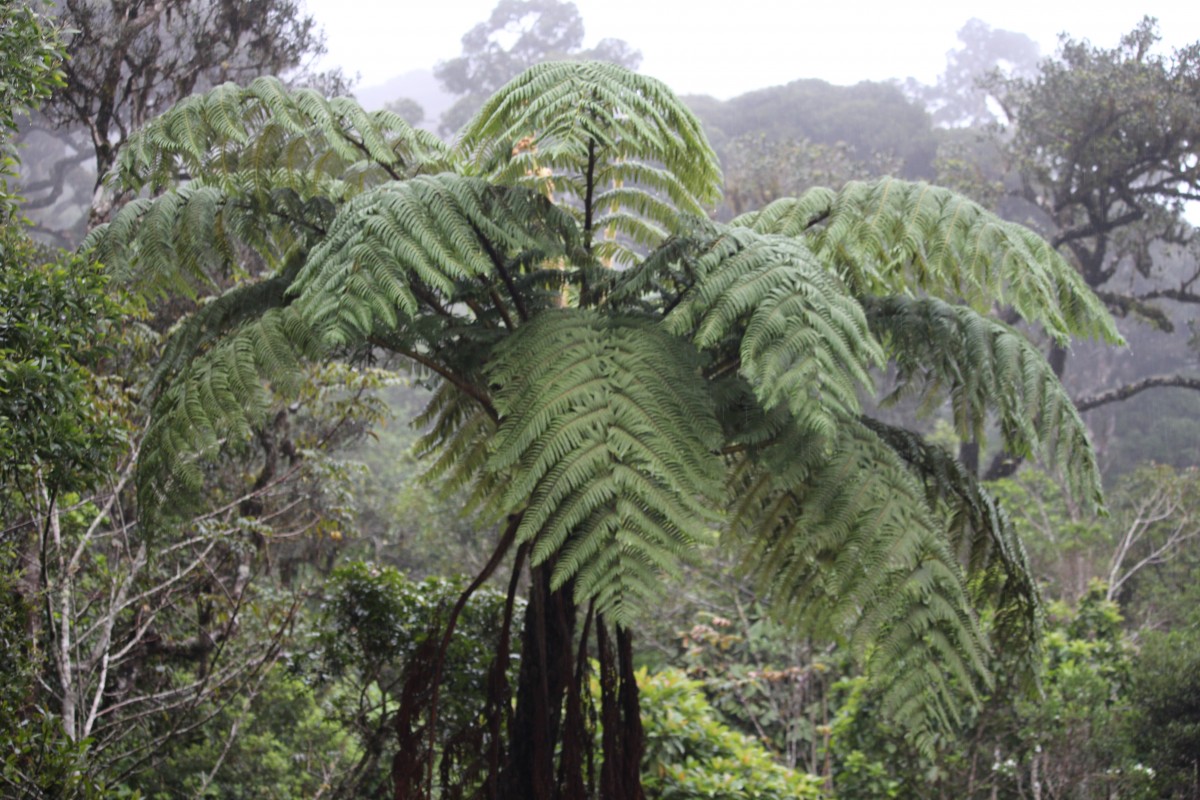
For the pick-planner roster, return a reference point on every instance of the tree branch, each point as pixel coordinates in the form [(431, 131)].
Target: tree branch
[(1129, 390)]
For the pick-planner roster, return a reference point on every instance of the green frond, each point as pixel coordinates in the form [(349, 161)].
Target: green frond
[(415, 246), (189, 240), (896, 237), (983, 539), (458, 438), (659, 281), (985, 366), (218, 400), (603, 141), (216, 318), (853, 549), (606, 447), (267, 126), (804, 342)]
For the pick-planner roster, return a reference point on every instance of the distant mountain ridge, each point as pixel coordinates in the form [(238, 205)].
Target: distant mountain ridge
[(419, 85)]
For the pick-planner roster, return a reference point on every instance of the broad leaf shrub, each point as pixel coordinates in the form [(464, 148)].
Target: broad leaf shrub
[(691, 753)]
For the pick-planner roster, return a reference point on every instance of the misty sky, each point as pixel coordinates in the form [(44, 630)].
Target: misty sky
[(728, 48)]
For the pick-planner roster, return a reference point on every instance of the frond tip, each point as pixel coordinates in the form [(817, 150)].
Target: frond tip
[(617, 146)]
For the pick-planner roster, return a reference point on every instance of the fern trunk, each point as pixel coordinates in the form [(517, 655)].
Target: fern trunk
[(546, 669), (551, 748)]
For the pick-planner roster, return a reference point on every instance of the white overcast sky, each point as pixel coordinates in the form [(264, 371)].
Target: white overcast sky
[(733, 46)]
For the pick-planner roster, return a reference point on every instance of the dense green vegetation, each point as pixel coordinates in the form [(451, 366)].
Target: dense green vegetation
[(578, 458)]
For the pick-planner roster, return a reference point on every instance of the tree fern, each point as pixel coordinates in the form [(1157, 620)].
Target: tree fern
[(259, 170), (217, 318), (457, 443), (608, 416)]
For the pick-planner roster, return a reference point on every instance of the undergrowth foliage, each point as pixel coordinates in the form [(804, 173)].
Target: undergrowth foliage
[(618, 380)]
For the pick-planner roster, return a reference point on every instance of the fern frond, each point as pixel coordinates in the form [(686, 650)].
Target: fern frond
[(606, 446), (217, 317), (458, 439), (854, 550), (218, 400), (603, 140), (804, 342), (188, 241), (894, 237), (658, 283), (410, 247), (982, 537), (983, 365), (267, 126)]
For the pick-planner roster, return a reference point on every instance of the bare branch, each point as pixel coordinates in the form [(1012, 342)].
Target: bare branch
[(1129, 390)]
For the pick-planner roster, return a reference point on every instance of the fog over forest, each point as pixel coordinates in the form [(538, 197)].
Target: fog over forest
[(574, 400), (725, 52)]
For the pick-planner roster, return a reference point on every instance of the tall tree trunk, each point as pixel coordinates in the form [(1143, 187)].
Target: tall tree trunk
[(620, 718), (546, 668)]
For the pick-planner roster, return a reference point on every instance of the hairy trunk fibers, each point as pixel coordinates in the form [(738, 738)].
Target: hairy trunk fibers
[(542, 747), (552, 733), (620, 717), (546, 669), (577, 740), (498, 711)]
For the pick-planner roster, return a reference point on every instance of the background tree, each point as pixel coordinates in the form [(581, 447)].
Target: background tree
[(1145, 552), (959, 99), (1100, 142), (872, 120), (1165, 726), (600, 415), (57, 432), (517, 35), (759, 170), (1069, 741), (126, 642), (127, 61)]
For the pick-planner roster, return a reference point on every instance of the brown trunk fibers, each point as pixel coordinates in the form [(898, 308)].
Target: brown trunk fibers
[(632, 736), (620, 774), (576, 739), (546, 669), (542, 746), (499, 700)]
